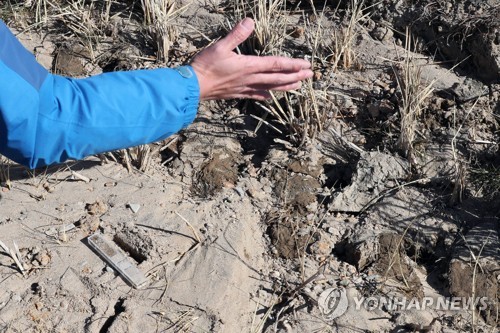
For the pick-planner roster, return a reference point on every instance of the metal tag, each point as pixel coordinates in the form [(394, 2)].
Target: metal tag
[(114, 257)]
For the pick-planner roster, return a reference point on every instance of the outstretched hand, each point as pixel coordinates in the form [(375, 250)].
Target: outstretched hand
[(223, 74)]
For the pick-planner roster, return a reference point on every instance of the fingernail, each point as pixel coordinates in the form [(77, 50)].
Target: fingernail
[(247, 23)]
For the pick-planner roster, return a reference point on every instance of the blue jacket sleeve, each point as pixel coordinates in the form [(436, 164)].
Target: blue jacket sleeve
[(46, 118)]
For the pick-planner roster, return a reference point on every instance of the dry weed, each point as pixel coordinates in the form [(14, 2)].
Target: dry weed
[(299, 113), (270, 24), (343, 40), (460, 166), (159, 16), (15, 255), (413, 97), (78, 18), (5, 172), (334, 47), (40, 8)]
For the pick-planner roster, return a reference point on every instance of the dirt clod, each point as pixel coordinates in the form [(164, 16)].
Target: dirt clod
[(217, 173), (96, 208)]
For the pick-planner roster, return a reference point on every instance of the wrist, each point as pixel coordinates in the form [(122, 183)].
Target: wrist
[(202, 81)]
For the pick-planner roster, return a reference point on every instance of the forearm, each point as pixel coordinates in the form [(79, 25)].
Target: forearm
[(112, 111), (74, 118)]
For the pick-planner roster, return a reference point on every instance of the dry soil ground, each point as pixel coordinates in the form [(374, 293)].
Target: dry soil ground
[(239, 228)]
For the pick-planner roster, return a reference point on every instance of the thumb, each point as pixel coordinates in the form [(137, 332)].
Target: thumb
[(239, 34)]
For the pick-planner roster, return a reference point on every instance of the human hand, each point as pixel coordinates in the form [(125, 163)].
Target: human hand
[(223, 74)]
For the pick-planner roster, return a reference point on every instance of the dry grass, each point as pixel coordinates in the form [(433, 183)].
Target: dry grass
[(299, 114), (41, 10), (78, 18), (338, 148), (414, 94), (343, 40), (270, 24), (460, 166), (334, 46), (5, 164), (159, 16), (15, 255)]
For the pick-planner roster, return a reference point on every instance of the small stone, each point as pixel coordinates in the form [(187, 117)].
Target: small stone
[(251, 192), (376, 90), (39, 305), (97, 208), (16, 298), (240, 191), (321, 247), (48, 188), (134, 207), (344, 283), (274, 274), (110, 269), (44, 259), (41, 258)]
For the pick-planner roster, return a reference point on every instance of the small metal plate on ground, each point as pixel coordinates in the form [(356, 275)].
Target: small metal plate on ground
[(114, 257)]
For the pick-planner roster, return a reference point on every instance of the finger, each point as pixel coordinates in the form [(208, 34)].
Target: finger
[(260, 95), (273, 64), (279, 79), (238, 35)]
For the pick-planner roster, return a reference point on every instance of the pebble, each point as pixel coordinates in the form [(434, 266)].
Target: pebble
[(44, 259), (321, 247), (274, 274), (134, 207), (344, 283), (240, 191), (110, 269), (16, 298)]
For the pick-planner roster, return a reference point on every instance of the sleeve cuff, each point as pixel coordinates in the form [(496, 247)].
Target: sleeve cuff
[(193, 93)]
